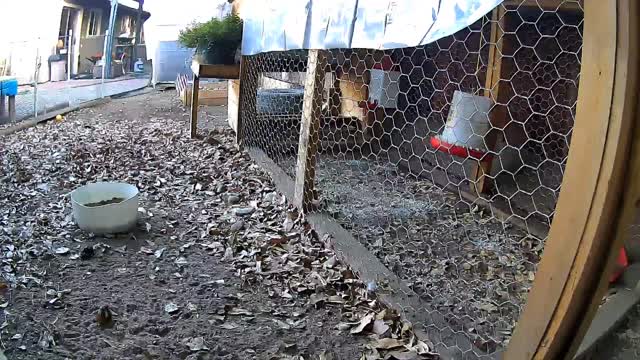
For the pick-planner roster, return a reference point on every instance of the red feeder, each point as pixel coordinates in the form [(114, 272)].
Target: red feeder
[(458, 150), (621, 263)]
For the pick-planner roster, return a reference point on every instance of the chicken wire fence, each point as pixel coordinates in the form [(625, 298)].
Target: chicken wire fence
[(444, 160)]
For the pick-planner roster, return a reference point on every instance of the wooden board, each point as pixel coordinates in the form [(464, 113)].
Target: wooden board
[(310, 130), (233, 102), (609, 316), (207, 96), (548, 5), (215, 71), (587, 202)]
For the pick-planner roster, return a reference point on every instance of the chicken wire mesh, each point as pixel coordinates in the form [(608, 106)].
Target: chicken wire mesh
[(444, 160)]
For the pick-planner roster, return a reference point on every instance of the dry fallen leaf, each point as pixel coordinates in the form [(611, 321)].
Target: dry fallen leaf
[(171, 308), (422, 348), (380, 327), (146, 250), (364, 323), (282, 324), (488, 307), (324, 355), (229, 326), (195, 344), (62, 250), (388, 343), (239, 311), (402, 355)]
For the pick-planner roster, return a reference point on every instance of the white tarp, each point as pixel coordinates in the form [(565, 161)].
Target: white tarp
[(276, 25)]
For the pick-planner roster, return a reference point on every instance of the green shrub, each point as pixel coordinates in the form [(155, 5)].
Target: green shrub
[(226, 33)]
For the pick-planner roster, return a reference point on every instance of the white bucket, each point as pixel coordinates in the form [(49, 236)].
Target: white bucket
[(468, 121), (108, 218)]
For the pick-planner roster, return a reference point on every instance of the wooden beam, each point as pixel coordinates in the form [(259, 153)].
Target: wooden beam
[(310, 129), (12, 108), (229, 72), (548, 5), (194, 106), (2, 105), (588, 199), (619, 200), (480, 181)]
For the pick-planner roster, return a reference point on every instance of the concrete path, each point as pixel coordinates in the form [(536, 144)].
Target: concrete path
[(54, 96)]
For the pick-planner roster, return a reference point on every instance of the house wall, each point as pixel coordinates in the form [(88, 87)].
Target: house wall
[(94, 45), (20, 41)]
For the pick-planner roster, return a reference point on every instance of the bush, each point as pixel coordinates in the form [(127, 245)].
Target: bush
[(226, 33)]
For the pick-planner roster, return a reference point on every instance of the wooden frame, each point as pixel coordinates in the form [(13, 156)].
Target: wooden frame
[(207, 71), (229, 72), (572, 274)]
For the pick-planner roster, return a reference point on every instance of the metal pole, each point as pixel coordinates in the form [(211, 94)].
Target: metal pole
[(36, 75), (104, 64), (134, 58), (109, 37), (69, 54)]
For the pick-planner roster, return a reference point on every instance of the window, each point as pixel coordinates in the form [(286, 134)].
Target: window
[(127, 25), (93, 26)]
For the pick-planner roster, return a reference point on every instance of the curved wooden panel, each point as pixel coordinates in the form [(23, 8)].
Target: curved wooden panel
[(580, 236)]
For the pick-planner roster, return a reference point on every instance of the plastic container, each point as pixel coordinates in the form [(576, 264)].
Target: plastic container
[(118, 213), (138, 66)]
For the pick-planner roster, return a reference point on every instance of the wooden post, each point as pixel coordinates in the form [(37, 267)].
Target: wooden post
[(309, 130), (480, 181), (2, 105), (194, 106), (572, 272), (12, 108), (248, 88)]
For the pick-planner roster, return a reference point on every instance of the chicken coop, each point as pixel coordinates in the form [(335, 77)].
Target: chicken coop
[(482, 180)]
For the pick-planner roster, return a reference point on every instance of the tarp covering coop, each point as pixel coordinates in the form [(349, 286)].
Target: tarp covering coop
[(313, 24)]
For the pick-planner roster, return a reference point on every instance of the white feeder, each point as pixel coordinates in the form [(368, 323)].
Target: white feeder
[(105, 207), (466, 127)]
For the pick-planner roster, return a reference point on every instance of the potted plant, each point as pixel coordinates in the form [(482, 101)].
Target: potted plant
[(216, 41)]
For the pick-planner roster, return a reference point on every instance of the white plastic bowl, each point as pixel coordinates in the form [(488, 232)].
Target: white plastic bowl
[(109, 218)]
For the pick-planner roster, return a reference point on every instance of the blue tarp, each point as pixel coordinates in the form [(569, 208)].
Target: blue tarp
[(277, 25)]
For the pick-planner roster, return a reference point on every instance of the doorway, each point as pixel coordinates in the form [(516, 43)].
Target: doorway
[(68, 45)]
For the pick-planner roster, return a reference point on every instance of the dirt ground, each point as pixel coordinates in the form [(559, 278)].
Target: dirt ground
[(217, 268), (468, 266)]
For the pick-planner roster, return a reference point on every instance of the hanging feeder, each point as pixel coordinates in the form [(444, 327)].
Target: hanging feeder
[(466, 127)]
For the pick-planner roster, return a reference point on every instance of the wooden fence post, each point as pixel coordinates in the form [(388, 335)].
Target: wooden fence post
[(194, 106), (480, 181), (239, 121), (309, 130)]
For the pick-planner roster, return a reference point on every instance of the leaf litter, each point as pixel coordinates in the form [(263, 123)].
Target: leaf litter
[(193, 216)]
